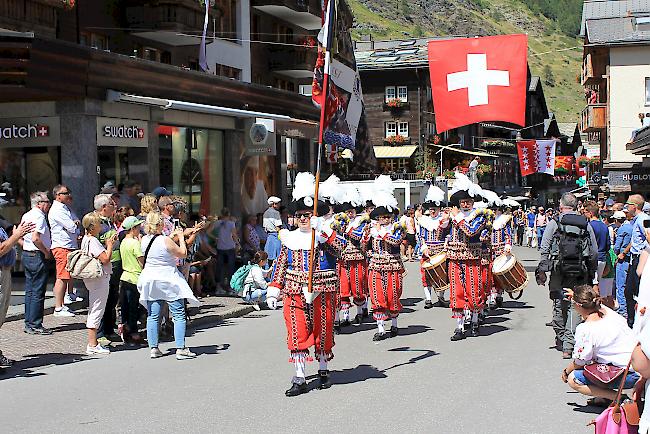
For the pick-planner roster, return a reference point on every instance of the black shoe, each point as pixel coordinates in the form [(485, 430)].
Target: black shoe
[(345, 323), (39, 331), (296, 389), (337, 327), (474, 332), (549, 324), (5, 362), (481, 318), (458, 335), (358, 320), (428, 304), (379, 337), (499, 301), (492, 305), (324, 379), (394, 331), (365, 313)]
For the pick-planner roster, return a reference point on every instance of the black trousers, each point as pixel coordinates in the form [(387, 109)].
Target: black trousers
[(107, 325), (632, 289)]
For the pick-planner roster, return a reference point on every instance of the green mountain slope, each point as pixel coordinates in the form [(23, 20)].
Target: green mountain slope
[(553, 52)]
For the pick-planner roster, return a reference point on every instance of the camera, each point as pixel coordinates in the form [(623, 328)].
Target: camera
[(177, 223)]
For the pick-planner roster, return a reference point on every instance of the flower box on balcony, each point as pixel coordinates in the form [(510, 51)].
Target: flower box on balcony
[(396, 104), (396, 140)]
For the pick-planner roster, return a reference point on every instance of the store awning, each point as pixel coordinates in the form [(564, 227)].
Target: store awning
[(404, 151), (464, 151)]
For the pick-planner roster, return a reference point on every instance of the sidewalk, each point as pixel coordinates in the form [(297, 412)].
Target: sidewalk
[(68, 340)]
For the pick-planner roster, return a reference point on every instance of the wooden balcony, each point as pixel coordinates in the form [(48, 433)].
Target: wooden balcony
[(167, 15), (293, 61), (593, 118), (594, 67), (39, 16)]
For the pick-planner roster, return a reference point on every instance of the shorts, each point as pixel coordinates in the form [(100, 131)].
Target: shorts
[(61, 258), (410, 240), (630, 380)]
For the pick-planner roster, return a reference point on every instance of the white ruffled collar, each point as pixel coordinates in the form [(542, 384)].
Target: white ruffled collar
[(429, 223), (298, 240), (381, 231)]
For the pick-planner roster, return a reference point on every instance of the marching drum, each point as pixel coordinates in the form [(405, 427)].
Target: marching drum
[(510, 275), (435, 270)]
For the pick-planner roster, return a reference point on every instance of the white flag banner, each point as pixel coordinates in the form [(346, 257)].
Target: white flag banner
[(545, 152)]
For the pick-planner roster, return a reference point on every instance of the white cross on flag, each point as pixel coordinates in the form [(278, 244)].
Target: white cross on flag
[(536, 156), (478, 80)]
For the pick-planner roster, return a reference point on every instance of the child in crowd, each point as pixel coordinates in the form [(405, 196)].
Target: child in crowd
[(132, 263)]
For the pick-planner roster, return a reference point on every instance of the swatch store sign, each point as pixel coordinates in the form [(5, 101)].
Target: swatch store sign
[(29, 132), (122, 132)]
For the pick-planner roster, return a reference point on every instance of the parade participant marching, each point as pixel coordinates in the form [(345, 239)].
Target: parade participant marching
[(385, 266), (308, 324), (466, 255), (501, 243), (353, 265), (433, 231)]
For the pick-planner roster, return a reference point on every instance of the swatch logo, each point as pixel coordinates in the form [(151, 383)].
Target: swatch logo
[(123, 132)]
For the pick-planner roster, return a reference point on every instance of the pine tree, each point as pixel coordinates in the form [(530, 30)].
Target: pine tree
[(549, 78)]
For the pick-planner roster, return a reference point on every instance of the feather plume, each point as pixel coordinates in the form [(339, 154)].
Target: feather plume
[(351, 195), (383, 192), (435, 194), (331, 189), (366, 192), (303, 186), (492, 198), (462, 182)]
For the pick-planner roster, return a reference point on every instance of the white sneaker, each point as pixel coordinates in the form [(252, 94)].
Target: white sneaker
[(185, 353), (96, 350), (64, 312), (155, 353), (256, 307), (71, 298)]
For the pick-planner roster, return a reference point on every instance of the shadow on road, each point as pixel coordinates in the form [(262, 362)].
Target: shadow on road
[(412, 301), (69, 327), (426, 354), (413, 330), (356, 375), (495, 320), (28, 367), (490, 329), (206, 323), (589, 409), (511, 304)]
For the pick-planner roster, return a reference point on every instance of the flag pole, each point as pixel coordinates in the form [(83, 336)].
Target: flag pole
[(327, 39)]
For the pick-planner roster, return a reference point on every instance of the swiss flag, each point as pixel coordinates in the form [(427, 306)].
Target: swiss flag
[(478, 80)]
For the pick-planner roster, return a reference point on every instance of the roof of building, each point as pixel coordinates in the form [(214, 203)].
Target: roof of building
[(623, 30), (567, 129), (599, 9), (393, 54), (534, 82)]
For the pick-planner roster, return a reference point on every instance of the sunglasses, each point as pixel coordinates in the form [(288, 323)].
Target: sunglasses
[(65, 193), (300, 215)]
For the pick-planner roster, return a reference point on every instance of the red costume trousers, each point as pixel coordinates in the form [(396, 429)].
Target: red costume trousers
[(310, 325), (385, 293), (467, 280), (353, 276)]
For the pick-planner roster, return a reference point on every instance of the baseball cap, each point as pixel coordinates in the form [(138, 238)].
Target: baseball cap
[(160, 192), (273, 199), (619, 215), (130, 222), (609, 202)]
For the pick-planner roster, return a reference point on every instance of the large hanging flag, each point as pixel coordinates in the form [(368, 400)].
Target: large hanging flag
[(478, 80), (344, 118), (536, 156)]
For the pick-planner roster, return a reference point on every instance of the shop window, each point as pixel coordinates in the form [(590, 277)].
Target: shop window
[(402, 93), (119, 163), (391, 129), (24, 171), (389, 93), (191, 166)]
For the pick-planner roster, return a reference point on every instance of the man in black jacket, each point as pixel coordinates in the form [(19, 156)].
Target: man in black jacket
[(565, 318)]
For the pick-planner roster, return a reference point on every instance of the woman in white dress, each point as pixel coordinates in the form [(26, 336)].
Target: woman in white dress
[(161, 281)]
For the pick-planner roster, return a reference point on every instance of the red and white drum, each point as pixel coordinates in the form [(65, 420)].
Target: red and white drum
[(510, 275), (435, 270)]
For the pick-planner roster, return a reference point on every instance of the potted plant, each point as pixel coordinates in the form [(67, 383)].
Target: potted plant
[(583, 161), (69, 4), (483, 170), (395, 104), (449, 174), (561, 170), (396, 140)]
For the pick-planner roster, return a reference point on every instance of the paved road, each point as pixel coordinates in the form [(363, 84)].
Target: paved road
[(506, 381)]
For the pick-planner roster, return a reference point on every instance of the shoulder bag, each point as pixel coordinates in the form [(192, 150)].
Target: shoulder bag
[(146, 252), (82, 265)]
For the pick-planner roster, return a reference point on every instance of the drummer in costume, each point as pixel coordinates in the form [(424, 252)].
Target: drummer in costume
[(308, 324), (353, 265), (470, 229), (501, 244), (385, 266), (432, 233)]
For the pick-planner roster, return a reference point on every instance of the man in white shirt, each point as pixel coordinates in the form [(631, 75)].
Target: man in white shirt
[(36, 250), (64, 227)]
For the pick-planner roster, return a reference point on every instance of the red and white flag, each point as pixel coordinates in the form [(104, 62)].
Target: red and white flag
[(478, 80), (536, 156)]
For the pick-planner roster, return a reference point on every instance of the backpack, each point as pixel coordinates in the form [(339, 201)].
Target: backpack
[(237, 279), (571, 247)]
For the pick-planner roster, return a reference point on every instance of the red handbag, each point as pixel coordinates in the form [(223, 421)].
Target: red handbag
[(601, 374)]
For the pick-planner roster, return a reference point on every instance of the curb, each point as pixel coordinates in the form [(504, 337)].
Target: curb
[(49, 310), (235, 312)]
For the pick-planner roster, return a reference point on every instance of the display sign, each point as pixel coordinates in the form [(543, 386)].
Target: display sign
[(30, 132), (122, 132), (260, 137)]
